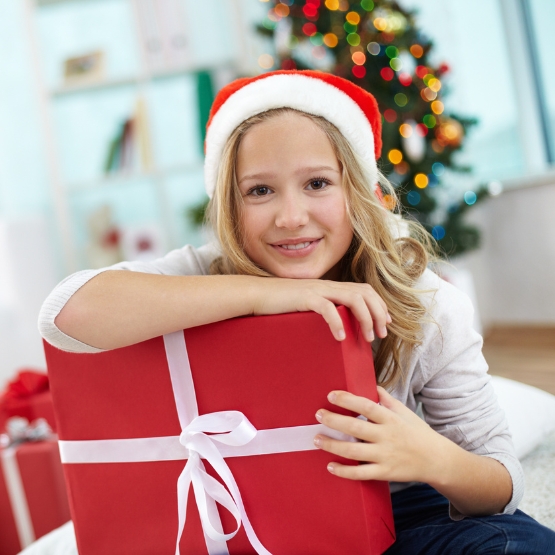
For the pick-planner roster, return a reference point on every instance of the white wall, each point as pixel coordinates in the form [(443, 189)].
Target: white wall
[(514, 271)]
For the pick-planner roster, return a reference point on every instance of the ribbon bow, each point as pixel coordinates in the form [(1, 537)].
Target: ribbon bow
[(20, 430), (230, 428)]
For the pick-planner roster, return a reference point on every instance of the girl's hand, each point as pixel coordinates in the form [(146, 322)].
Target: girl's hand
[(397, 444), (280, 295)]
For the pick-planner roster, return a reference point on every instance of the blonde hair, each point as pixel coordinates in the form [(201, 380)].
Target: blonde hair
[(381, 253)]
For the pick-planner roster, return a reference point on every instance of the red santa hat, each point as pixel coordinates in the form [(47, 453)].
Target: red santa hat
[(351, 109)]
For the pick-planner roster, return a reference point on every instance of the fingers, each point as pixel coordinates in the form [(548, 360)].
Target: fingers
[(329, 312), (356, 472), (359, 405), (353, 450)]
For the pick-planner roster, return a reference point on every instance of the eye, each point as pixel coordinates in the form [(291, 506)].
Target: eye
[(318, 184), (259, 191)]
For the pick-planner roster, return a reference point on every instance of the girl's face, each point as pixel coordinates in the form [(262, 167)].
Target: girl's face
[(294, 216)]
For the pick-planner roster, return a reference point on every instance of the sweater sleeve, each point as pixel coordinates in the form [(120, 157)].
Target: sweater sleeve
[(457, 396), (179, 262)]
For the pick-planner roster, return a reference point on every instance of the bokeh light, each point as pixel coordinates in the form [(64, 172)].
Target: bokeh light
[(387, 73), (401, 99), (332, 5), (416, 50), (405, 79), (353, 18), (265, 61), (344, 5), (495, 188), (413, 198), (421, 180), (349, 27), (395, 156), (310, 10), (392, 52), (359, 71), (367, 5), (331, 40), (396, 64), (405, 130), (421, 71), (390, 115), (427, 94), (353, 39), (317, 39), (433, 181), (380, 23), (421, 129), (437, 107), (402, 168), (429, 121), (309, 29), (434, 84), (438, 232), (470, 197), (438, 168), (359, 58), (373, 48), (389, 202), (282, 10)]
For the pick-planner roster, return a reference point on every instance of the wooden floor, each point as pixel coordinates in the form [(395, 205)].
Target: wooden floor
[(525, 354)]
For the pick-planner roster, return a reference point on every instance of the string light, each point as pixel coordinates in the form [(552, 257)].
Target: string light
[(367, 5), (416, 50), (470, 197), (380, 23), (395, 156), (331, 40), (309, 29), (387, 73), (437, 107), (359, 71), (413, 198), (282, 10), (265, 61), (429, 121), (405, 130), (405, 79), (438, 168), (359, 58), (434, 84), (332, 5), (438, 232), (353, 18), (401, 99), (421, 180), (395, 64), (392, 52), (373, 48), (353, 39), (317, 39), (428, 95)]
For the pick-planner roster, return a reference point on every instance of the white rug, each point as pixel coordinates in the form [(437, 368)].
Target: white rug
[(539, 473)]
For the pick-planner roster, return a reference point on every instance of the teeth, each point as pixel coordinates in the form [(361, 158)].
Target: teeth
[(297, 246)]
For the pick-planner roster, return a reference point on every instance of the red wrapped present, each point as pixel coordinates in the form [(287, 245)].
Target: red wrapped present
[(33, 497), (132, 442), (27, 396)]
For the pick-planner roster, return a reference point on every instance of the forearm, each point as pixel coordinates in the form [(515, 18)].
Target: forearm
[(119, 308), (475, 485)]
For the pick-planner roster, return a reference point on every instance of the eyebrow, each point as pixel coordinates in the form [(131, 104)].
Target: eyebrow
[(300, 171)]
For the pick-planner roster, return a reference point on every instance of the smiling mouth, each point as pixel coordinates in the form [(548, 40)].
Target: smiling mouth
[(300, 247), (296, 247)]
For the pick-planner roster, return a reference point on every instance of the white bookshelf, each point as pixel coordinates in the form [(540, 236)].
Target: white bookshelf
[(64, 188)]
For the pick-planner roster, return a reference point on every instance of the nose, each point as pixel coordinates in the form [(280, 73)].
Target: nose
[(292, 213)]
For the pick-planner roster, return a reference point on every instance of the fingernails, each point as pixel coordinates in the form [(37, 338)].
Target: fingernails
[(389, 320), (341, 335), (371, 336), (317, 441), (319, 416), (384, 331), (331, 468), (332, 397)]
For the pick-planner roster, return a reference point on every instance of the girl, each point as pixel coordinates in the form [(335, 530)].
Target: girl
[(291, 171)]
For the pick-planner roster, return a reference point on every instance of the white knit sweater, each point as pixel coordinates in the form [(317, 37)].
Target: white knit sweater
[(447, 374)]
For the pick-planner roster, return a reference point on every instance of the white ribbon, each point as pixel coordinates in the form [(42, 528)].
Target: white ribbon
[(212, 437), (16, 494)]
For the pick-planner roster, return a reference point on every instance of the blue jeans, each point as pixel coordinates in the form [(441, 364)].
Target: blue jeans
[(423, 527)]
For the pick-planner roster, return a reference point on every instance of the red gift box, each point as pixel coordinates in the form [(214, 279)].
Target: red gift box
[(27, 396), (276, 370), (33, 497)]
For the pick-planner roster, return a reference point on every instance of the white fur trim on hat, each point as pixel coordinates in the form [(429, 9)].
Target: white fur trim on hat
[(301, 92)]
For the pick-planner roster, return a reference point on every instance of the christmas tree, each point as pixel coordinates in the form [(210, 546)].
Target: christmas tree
[(377, 45)]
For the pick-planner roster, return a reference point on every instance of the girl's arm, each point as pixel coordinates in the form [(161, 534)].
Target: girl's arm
[(119, 308)]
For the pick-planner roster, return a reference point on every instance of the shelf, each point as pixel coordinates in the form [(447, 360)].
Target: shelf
[(123, 177)]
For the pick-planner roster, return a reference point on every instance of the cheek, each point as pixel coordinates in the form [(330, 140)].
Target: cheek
[(253, 224)]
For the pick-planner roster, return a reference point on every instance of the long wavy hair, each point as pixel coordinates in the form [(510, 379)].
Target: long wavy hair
[(387, 252)]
